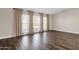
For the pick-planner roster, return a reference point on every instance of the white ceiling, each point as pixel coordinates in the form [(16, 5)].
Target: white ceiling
[(47, 10)]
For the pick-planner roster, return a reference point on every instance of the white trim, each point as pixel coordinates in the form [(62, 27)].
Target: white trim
[(7, 37), (66, 31)]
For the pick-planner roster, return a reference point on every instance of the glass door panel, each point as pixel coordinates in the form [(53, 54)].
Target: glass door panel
[(36, 23), (25, 24)]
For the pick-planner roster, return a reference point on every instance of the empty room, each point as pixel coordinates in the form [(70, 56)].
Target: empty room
[(39, 28)]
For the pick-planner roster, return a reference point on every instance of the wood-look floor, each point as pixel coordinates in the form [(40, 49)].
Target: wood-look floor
[(51, 40)]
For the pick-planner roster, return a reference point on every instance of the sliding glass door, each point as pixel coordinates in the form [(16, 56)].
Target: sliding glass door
[(25, 24), (36, 23)]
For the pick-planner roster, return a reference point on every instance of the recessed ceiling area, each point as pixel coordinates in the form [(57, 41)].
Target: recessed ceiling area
[(47, 10)]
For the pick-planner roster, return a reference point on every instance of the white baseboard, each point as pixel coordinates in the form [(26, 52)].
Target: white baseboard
[(67, 31), (7, 37)]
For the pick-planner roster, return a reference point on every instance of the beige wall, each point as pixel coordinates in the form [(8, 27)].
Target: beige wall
[(67, 21), (6, 23)]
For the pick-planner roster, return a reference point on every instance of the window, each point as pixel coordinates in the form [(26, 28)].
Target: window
[(36, 23), (25, 24)]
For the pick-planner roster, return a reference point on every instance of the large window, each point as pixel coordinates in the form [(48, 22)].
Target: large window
[(37, 27), (36, 23), (25, 24)]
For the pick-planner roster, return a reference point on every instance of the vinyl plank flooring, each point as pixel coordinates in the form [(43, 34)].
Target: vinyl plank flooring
[(51, 40)]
